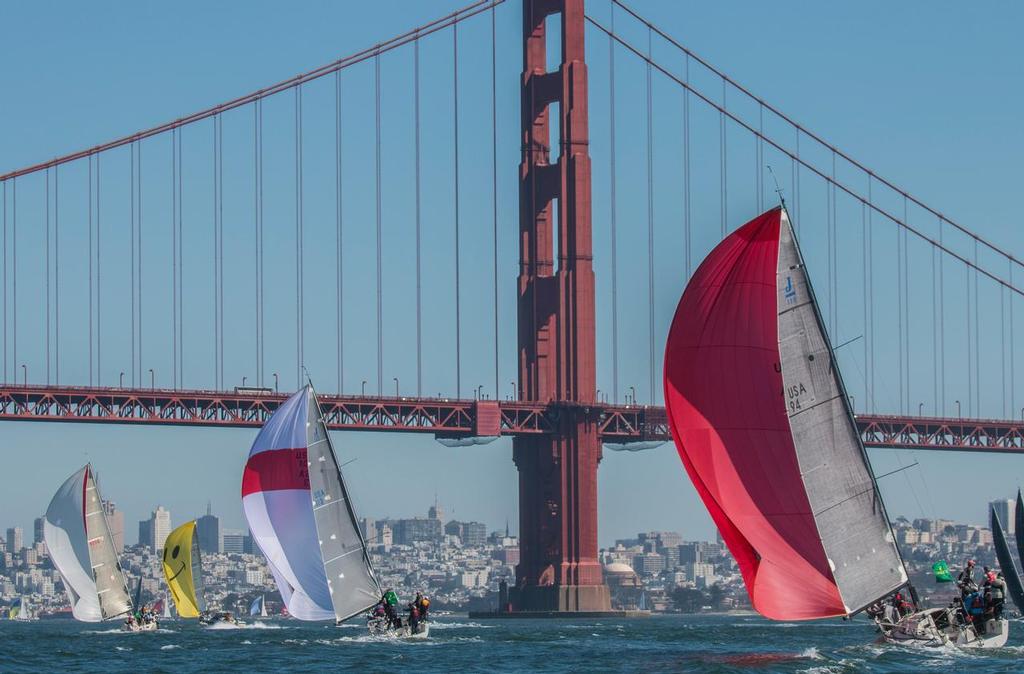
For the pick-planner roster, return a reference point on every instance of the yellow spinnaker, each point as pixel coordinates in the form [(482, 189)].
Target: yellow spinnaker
[(183, 571)]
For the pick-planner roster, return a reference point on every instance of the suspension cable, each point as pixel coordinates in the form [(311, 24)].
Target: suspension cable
[(299, 239), (47, 256), (494, 190), (419, 268), (458, 317), (380, 275), (650, 228), (613, 216), (339, 237)]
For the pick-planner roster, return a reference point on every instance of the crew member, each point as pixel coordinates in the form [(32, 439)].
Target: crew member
[(965, 581), (414, 617), (995, 595)]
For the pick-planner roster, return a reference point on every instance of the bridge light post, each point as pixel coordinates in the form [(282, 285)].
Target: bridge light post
[(120, 380), (632, 393), (480, 392), (958, 415), (364, 389), (152, 378), (920, 409), (243, 381), (275, 382), (24, 371), (515, 394), (395, 379)]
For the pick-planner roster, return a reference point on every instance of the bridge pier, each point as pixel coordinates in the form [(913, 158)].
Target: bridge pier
[(558, 570)]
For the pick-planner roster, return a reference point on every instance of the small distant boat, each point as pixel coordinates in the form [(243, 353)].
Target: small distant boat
[(21, 611), (258, 608), (80, 545), (301, 517), (760, 416), (183, 571)]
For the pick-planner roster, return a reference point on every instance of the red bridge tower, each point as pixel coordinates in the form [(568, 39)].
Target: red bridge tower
[(558, 569)]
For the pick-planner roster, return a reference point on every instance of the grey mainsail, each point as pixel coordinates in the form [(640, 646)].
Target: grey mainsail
[(848, 511), (350, 577), (111, 587), (1006, 563)]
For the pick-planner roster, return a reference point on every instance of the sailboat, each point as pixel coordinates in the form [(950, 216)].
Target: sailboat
[(762, 422), (301, 517), (21, 611), (80, 545), (258, 608), (183, 571)]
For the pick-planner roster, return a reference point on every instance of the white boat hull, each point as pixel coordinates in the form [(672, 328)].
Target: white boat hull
[(940, 627), (144, 627)]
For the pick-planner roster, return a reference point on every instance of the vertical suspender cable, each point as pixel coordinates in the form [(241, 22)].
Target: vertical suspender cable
[(977, 341), (864, 270), (90, 278), (494, 188), (216, 270), (899, 310), (47, 276), (458, 317), (339, 238), (99, 276), (906, 304), (260, 254), (131, 241), (1013, 368), (725, 174), (871, 301), (14, 274), (942, 325), (220, 243), (299, 272), (56, 276), (138, 176), (256, 230), (1002, 345), (5, 280), (935, 337), (181, 263), (174, 257), (650, 223), (613, 212), (834, 281), (380, 275), (687, 209), (970, 344), (419, 269)]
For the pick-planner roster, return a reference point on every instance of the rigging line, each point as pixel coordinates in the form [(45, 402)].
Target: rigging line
[(613, 216), (848, 190), (799, 128), (419, 249), (650, 225), (458, 317), (365, 55), (494, 189), (796, 163), (380, 289), (339, 238)]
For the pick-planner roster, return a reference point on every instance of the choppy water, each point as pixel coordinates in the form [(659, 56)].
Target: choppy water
[(656, 644)]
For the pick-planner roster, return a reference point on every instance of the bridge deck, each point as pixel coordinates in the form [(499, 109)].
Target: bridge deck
[(447, 417)]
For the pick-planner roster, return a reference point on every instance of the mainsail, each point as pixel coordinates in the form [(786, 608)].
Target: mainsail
[(761, 421), (1019, 526), (301, 517), (183, 570), (81, 547), (1006, 563)]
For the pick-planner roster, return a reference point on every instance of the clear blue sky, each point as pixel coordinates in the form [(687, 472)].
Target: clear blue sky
[(928, 94)]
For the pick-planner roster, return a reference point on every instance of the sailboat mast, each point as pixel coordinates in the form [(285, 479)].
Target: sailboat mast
[(837, 371)]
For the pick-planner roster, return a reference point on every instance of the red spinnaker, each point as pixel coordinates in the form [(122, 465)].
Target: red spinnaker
[(724, 395)]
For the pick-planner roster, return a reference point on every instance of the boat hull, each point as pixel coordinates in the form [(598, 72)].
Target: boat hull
[(144, 627), (379, 628), (940, 627)]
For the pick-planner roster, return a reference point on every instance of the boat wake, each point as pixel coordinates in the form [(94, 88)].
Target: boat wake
[(244, 626)]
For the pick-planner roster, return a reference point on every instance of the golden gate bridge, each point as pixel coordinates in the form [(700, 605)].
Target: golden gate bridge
[(922, 306)]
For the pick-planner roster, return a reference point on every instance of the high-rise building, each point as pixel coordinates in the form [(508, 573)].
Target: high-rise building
[(146, 532), (368, 528), (208, 532), (37, 530), (435, 512), (1006, 510), (233, 542), (416, 530), (159, 528), (115, 520), (474, 533), (15, 540)]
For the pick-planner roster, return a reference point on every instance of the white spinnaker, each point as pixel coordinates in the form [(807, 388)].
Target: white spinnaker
[(68, 546)]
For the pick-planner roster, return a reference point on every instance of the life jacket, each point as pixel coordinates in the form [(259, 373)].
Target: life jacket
[(425, 603)]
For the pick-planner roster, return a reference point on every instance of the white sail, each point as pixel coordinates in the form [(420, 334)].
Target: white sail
[(79, 543)]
